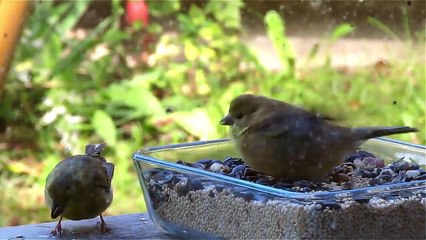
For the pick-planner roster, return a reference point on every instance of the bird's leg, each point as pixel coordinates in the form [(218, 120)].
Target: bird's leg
[(58, 229), (102, 225)]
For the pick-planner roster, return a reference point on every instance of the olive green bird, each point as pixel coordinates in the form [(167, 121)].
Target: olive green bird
[(79, 187), (286, 141)]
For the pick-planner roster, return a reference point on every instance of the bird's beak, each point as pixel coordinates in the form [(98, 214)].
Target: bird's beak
[(227, 120), (57, 210)]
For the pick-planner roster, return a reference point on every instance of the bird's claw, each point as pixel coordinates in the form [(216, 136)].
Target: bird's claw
[(57, 231), (102, 226)]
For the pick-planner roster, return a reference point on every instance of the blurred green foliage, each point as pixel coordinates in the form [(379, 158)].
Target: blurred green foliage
[(134, 87)]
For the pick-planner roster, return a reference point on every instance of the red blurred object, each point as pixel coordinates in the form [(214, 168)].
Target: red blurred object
[(137, 10)]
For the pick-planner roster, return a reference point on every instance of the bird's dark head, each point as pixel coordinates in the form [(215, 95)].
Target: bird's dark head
[(243, 110)]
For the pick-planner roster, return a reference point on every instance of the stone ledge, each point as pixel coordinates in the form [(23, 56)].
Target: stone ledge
[(131, 226)]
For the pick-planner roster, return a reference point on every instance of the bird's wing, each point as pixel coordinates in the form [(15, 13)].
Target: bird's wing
[(98, 178), (60, 187), (295, 124), (109, 167)]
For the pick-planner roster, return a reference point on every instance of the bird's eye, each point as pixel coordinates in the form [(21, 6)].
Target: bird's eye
[(239, 116)]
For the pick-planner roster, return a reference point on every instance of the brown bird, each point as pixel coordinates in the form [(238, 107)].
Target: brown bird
[(79, 187), (286, 141)]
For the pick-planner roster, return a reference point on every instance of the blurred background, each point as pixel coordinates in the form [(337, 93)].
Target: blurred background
[(140, 73)]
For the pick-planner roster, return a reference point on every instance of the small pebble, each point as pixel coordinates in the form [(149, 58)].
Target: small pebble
[(385, 177), (198, 165), (232, 162), (421, 177), (261, 197), (265, 181), (190, 185), (359, 154), (246, 195), (163, 177), (386, 172), (412, 173), (219, 188), (399, 178), (405, 193), (303, 183), (369, 161), (367, 174), (239, 169), (377, 171), (401, 165), (331, 204), (362, 199), (251, 178), (216, 167), (380, 163), (376, 181), (305, 189), (206, 162), (250, 172), (181, 162)]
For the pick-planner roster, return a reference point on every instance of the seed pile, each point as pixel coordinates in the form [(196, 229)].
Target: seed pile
[(360, 169), (226, 211)]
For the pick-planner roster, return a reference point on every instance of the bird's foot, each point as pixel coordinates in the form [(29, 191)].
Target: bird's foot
[(58, 230), (102, 225)]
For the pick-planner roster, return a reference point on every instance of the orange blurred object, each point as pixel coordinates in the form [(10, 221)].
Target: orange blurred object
[(13, 15)]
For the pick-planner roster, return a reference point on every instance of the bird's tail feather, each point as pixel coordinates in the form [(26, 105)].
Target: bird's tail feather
[(94, 149), (372, 132)]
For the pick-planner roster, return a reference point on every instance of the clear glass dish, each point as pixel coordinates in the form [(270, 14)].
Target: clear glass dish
[(194, 203)]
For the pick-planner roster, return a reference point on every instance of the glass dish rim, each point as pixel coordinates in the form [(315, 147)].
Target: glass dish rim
[(142, 155), (222, 140)]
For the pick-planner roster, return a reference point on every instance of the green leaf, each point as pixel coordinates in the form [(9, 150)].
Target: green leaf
[(113, 36), (146, 79), (276, 31), (378, 24), (162, 8), (341, 31), (146, 103), (137, 133), (314, 51), (104, 126), (226, 12), (196, 15), (191, 51), (406, 24), (155, 28), (197, 122), (78, 8), (51, 51), (137, 96), (117, 10)]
